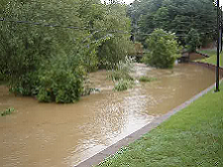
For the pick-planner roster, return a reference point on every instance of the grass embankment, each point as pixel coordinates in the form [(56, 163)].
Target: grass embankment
[(213, 58), (192, 137)]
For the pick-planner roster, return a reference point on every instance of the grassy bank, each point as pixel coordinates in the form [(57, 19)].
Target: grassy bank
[(193, 137), (213, 58)]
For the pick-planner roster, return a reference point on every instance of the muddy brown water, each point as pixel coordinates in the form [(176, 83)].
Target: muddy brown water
[(53, 135)]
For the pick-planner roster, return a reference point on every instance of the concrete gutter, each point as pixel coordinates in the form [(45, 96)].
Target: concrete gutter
[(99, 157)]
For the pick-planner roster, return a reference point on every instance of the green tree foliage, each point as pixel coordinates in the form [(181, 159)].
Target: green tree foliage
[(50, 61), (118, 46), (193, 40), (177, 16), (163, 49), (27, 51)]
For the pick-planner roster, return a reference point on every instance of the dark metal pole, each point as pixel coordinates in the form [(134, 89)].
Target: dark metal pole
[(221, 27), (221, 33), (218, 41)]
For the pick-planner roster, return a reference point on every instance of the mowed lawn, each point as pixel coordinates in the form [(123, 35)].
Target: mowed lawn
[(192, 137), (213, 57)]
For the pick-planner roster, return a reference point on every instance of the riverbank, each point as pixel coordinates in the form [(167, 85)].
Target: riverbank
[(192, 137), (212, 59)]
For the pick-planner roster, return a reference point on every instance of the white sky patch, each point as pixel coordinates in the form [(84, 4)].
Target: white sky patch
[(126, 1), (221, 3), (130, 1)]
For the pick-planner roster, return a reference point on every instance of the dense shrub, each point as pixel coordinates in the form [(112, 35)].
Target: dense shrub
[(61, 81), (163, 49), (60, 86)]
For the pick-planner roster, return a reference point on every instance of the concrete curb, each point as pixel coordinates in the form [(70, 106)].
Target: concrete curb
[(99, 157)]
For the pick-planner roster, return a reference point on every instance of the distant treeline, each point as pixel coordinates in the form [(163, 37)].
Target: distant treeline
[(185, 18)]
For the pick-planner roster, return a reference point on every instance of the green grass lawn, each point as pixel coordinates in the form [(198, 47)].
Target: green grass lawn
[(213, 58), (192, 137)]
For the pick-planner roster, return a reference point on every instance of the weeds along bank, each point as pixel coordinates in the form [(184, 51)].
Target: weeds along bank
[(59, 43)]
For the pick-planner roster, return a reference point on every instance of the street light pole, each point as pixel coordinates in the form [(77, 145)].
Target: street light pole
[(218, 41), (221, 28)]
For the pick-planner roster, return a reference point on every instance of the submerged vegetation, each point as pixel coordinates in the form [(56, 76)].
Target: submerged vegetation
[(147, 79), (122, 70), (123, 84), (121, 75), (7, 112)]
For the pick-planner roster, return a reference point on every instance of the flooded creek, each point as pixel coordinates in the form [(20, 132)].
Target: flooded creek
[(53, 135)]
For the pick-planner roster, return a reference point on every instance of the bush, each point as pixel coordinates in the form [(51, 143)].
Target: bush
[(163, 49), (61, 81), (59, 86)]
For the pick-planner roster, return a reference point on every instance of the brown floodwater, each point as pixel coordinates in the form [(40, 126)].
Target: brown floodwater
[(54, 135)]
